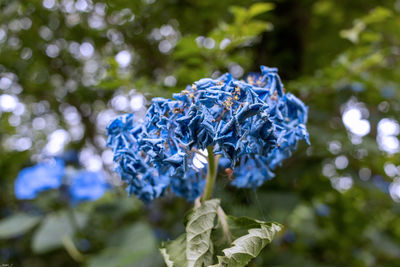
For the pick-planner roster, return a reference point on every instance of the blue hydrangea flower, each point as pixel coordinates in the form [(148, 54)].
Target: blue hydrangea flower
[(41, 177), (87, 186), (252, 172), (252, 123), (189, 184)]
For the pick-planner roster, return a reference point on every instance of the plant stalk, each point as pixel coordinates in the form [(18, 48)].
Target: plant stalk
[(73, 220), (211, 174), (224, 224), (67, 241), (72, 249)]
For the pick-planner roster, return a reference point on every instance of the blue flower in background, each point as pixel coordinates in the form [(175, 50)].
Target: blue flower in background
[(43, 176), (81, 185), (87, 186), (252, 123)]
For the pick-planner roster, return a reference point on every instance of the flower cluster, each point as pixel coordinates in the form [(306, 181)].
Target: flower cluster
[(253, 124), (87, 186), (52, 174), (41, 177)]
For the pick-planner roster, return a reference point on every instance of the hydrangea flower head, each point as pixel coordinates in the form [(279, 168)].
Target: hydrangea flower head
[(41, 177), (252, 123)]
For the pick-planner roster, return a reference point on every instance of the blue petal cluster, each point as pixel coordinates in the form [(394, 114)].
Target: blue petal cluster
[(41, 177), (82, 186), (87, 186), (252, 123)]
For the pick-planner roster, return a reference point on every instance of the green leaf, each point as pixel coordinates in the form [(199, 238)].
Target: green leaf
[(239, 13), (248, 246), (259, 8), (200, 222), (54, 228), (186, 48), (127, 247), (195, 247), (17, 224), (377, 15), (255, 27), (242, 14), (174, 252)]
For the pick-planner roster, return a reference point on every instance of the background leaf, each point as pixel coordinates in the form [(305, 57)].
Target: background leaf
[(17, 224), (259, 8), (54, 227), (128, 247)]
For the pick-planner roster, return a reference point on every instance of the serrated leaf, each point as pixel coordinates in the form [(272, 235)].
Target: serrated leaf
[(53, 229), (194, 248), (248, 246), (238, 226), (17, 224), (200, 222), (174, 252)]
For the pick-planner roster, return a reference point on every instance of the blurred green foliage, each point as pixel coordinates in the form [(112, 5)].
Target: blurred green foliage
[(58, 58)]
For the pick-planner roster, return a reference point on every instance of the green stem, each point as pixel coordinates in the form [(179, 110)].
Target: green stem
[(211, 174), (67, 240), (72, 249), (224, 224), (73, 220)]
